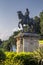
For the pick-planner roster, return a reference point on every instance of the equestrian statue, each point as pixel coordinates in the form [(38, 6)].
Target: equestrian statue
[(26, 20)]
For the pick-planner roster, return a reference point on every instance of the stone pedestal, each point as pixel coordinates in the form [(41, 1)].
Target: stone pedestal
[(27, 42)]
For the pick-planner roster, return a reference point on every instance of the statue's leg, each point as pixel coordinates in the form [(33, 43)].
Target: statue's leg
[(19, 24)]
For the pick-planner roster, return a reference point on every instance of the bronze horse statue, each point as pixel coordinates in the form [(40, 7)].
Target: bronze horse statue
[(25, 20)]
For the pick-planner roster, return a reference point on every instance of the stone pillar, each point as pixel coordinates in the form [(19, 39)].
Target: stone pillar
[(19, 45)]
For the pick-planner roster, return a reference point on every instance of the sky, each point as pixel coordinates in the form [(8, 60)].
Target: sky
[(8, 14)]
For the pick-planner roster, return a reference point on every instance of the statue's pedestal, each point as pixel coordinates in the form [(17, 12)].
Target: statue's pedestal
[(27, 42)]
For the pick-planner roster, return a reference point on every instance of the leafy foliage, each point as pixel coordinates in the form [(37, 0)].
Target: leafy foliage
[(37, 20), (20, 58), (0, 41), (26, 58), (23, 58), (41, 22), (2, 56)]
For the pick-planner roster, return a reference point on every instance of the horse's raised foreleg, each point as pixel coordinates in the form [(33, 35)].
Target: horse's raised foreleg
[(19, 24)]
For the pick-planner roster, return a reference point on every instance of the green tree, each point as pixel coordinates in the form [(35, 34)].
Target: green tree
[(2, 56), (37, 20), (41, 22), (12, 39), (6, 46), (0, 41)]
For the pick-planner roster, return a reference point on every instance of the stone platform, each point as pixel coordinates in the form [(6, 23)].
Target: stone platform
[(27, 42)]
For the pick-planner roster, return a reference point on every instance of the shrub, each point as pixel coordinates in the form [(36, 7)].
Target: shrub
[(9, 58), (13, 58), (26, 59), (2, 55)]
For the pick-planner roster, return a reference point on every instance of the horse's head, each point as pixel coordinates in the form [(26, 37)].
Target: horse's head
[(20, 14)]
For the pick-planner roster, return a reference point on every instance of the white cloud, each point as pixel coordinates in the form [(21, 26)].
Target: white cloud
[(15, 29), (6, 35)]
